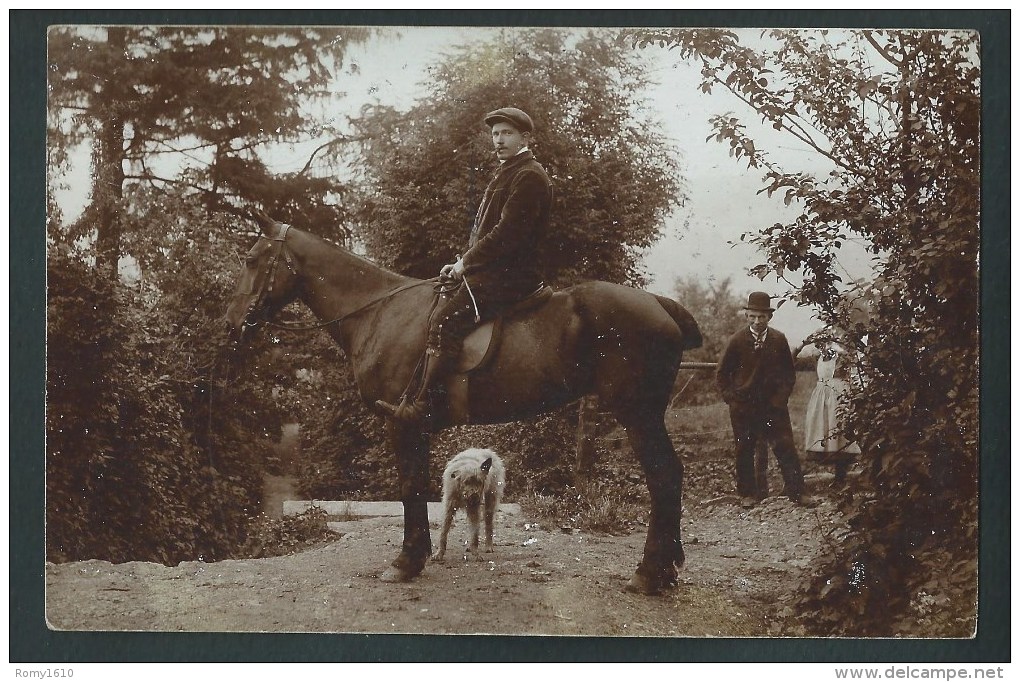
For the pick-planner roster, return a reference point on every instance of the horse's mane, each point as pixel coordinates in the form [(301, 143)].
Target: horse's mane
[(346, 251)]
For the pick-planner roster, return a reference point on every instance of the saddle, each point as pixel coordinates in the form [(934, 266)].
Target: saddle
[(482, 343), (480, 347)]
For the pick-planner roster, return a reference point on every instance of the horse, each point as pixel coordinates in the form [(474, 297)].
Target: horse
[(620, 343)]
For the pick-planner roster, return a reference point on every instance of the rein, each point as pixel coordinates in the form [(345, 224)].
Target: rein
[(311, 327)]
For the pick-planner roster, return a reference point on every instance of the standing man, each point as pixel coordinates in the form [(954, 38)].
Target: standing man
[(756, 376), (502, 264)]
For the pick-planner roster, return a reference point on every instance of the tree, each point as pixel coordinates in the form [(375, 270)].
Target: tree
[(719, 312), (188, 108), (894, 116), (156, 439), (718, 309)]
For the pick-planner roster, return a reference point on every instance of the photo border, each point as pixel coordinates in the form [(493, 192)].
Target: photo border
[(32, 641)]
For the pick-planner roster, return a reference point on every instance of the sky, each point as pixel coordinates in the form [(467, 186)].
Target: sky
[(700, 240)]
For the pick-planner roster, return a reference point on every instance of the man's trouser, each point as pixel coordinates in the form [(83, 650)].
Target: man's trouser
[(772, 424)]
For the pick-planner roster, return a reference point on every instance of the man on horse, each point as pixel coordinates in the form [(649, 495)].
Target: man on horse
[(502, 264)]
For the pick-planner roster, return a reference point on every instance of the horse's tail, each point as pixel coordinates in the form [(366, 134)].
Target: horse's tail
[(688, 325)]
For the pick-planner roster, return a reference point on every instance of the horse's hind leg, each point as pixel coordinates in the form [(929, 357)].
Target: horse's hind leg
[(664, 474), (412, 451)]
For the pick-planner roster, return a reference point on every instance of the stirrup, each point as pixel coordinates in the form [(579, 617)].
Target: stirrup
[(406, 411), (388, 408)]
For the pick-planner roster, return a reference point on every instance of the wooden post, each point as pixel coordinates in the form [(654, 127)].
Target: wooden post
[(587, 428)]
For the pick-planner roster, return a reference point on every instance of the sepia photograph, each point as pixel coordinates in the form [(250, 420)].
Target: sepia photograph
[(611, 331)]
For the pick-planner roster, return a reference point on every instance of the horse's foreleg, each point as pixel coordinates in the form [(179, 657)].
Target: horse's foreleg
[(412, 451), (664, 473)]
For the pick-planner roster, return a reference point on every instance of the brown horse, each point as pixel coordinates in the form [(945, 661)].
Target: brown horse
[(620, 343)]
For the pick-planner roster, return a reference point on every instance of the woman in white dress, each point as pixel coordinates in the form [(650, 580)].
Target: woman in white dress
[(823, 438)]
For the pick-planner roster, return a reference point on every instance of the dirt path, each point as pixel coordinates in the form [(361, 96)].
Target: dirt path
[(741, 567)]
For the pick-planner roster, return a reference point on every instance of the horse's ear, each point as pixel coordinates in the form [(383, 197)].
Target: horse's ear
[(486, 465), (262, 218)]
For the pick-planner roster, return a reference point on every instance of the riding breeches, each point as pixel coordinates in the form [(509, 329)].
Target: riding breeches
[(452, 320)]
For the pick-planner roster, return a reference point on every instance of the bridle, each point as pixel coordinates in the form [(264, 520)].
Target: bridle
[(266, 287)]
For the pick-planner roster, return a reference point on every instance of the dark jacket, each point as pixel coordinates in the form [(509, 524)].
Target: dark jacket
[(756, 377), (503, 256)]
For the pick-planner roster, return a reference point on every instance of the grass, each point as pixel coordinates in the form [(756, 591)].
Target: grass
[(346, 512), (598, 505)]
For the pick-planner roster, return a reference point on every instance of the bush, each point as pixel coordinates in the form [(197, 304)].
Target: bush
[(538, 452), (117, 453), (269, 537), (137, 467)]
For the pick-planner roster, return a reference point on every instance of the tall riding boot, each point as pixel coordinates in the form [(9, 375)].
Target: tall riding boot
[(416, 409)]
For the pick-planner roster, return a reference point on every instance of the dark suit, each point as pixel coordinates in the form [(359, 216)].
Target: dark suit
[(503, 262), (503, 259), (756, 384)]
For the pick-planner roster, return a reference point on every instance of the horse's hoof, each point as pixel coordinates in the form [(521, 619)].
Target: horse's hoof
[(396, 575), (641, 584), (438, 558)]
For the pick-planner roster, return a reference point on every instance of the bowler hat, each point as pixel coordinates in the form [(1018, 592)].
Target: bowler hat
[(760, 301), (515, 117)]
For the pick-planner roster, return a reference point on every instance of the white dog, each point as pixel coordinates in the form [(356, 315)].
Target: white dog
[(472, 480)]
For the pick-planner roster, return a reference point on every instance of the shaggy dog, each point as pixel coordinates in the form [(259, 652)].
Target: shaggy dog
[(473, 479)]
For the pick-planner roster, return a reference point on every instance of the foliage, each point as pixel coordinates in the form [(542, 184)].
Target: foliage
[(73, 444), (343, 453), (126, 479), (894, 118), (614, 177), (539, 451), (718, 309), (345, 456)]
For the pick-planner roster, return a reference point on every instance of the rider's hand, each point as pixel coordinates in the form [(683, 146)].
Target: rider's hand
[(453, 270)]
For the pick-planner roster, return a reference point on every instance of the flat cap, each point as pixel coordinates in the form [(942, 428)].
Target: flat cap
[(515, 117)]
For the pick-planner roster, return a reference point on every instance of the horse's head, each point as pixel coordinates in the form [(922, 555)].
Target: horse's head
[(268, 282)]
